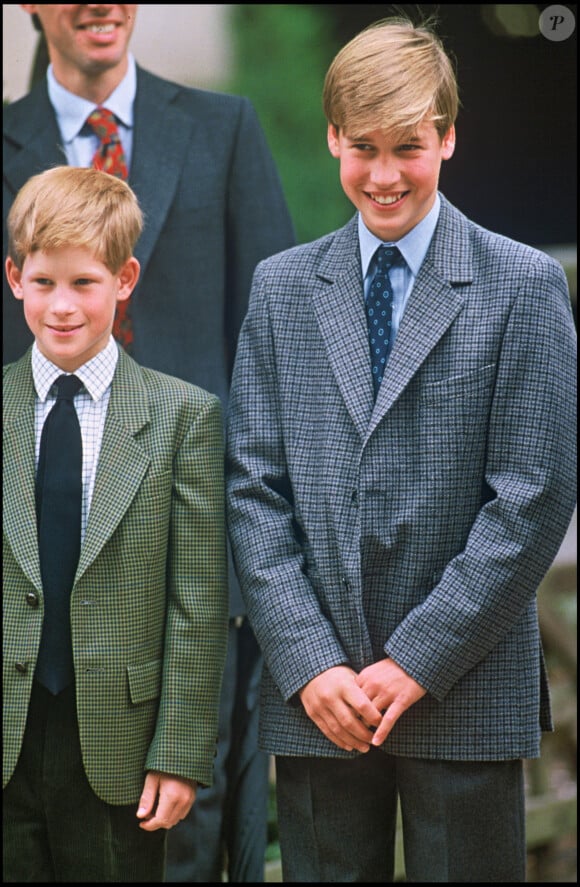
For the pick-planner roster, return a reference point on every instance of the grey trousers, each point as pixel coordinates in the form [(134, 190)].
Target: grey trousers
[(463, 821)]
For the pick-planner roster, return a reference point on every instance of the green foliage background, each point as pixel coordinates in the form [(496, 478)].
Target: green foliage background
[(282, 54)]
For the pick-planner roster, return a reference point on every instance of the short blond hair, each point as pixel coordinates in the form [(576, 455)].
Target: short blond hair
[(392, 76), (78, 207)]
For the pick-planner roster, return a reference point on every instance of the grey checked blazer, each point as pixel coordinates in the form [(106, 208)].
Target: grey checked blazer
[(419, 526), (149, 601)]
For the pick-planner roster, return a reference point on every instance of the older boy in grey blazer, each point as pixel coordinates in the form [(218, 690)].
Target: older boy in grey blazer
[(390, 535)]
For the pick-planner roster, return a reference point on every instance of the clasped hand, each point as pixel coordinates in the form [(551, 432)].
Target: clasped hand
[(165, 800), (356, 711)]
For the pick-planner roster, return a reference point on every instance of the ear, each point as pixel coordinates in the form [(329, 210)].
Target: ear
[(448, 144), (14, 276), (128, 277), (333, 141)]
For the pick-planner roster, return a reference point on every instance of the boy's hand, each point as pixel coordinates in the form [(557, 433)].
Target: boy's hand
[(392, 690), (340, 708), (165, 800)]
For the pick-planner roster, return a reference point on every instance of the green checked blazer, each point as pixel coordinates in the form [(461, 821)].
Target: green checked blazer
[(149, 601)]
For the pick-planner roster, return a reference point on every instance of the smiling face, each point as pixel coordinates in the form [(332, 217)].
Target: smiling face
[(69, 301), (86, 41), (391, 181)]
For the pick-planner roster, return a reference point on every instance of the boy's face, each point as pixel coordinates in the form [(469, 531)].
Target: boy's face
[(69, 301), (393, 183)]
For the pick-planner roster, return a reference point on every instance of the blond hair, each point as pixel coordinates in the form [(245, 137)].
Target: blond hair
[(78, 207), (392, 76)]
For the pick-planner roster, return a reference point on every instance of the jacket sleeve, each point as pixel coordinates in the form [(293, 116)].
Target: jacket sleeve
[(297, 639), (196, 624)]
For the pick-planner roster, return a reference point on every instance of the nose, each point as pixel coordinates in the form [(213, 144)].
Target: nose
[(62, 302), (384, 172)]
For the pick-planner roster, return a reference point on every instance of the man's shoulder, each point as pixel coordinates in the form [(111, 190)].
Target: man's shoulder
[(18, 113), (488, 249), (340, 245), (194, 100)]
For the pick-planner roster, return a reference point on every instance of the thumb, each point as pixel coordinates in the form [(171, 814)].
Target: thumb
[(148, 795)]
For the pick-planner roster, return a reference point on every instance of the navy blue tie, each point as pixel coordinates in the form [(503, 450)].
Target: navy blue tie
[(379, 306), (58, 511)]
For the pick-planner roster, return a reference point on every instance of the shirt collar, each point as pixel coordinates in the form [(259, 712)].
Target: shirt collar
[(413, 246), (72, 110), (96, 375)]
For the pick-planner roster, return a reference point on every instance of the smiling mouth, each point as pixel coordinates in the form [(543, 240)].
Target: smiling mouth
[(98, 29), (387, 199)]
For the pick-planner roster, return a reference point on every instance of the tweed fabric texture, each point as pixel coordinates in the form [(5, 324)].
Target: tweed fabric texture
[(419, 525), (149, 601)]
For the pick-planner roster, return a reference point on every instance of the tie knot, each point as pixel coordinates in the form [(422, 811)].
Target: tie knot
[(67, 387), (102, 121), (387, 256)]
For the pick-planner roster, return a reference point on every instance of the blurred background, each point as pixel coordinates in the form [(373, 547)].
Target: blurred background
[(514, 171)]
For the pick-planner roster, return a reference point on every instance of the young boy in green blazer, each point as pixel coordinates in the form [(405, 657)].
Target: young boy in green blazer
[(104, 750)]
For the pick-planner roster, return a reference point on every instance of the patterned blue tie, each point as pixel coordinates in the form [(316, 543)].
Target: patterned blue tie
[(379, 307)]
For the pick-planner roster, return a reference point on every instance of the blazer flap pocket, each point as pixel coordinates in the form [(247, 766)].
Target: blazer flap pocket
[(462, 385), (145, 680)]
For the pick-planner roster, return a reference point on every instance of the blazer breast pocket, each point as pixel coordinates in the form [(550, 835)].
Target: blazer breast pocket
[(452, 421), (462, 386)]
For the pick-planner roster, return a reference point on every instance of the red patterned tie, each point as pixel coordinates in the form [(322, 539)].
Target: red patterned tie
[(110, 158)]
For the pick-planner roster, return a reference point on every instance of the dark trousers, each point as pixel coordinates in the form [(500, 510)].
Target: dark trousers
[(55, 829), (462, 821), (226, 828)]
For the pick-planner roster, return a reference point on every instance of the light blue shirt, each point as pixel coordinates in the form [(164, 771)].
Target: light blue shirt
[(413, 247), (80, 142)]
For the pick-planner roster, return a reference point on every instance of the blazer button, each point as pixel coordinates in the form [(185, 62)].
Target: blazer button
[(32, 599), (21, 667)]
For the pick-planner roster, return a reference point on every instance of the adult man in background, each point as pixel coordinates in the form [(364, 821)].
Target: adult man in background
[(213, 204)]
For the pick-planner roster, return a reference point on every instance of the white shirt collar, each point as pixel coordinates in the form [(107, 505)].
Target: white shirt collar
[(96, 374), (72, 110)]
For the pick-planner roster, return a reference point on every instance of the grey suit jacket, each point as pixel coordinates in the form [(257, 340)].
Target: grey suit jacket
[(213, 205), (149, 600), (418, 526)]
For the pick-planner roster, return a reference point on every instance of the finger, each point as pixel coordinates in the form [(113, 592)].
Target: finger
[(164, 817), (390, 718), (148, 795), (348, 733)]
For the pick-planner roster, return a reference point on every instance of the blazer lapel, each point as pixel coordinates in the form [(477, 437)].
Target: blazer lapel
[(122, 461), (160, 147), (435, 301), (339, 311), (18, 496)]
